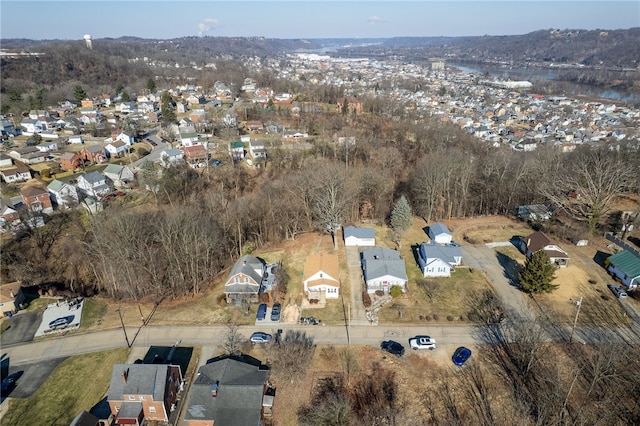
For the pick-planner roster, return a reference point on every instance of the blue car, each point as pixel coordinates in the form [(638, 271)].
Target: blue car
[(461, 355)]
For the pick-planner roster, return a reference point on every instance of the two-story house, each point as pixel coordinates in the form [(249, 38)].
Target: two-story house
[(36, 199), (244, 280), (63, 194), (94, 184)]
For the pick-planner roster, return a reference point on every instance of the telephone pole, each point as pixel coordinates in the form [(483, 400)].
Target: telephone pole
[(575, 320), (126, 338)]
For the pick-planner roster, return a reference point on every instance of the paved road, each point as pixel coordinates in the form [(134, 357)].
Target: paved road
[(501, 272), (154, 155), (356, 281)]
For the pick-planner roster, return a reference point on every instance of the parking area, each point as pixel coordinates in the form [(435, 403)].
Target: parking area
[(32, 376), (60, 317), (267, 319), (21, 329)]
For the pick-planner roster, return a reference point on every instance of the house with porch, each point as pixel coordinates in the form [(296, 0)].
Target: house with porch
[(540, 241), (196, 156), (439, 260), (143, 393), (625, 266), (64, 195), (18, 173), (321, 277), (244, 280), (230, 391), (383, 268), (171, 157), (257, 149)]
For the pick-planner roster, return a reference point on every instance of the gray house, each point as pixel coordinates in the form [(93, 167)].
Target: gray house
[(229, 391), (359, 236), (119, 175), (383, 268), (94, 184), (244, 280), (63, 194), (439, 260)]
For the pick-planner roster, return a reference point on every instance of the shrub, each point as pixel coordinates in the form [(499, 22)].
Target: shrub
[(366, 299), (449, 317), (379, 293), (395, 291), (435, 317), (314, 301), (427, 317)]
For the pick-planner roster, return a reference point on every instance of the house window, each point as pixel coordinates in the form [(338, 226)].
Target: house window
[(152, 409), (236, 280), (141, 397), (132, 398)]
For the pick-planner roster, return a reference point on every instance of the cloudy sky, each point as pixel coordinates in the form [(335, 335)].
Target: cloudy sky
[(306, 18)]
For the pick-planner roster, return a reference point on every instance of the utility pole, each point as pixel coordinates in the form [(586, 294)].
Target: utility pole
[(575, 320), (123, 327)]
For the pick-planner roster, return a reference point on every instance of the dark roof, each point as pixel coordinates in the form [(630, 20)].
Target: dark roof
[(85, 419), (32, 191), (141, 379), (240, 388)]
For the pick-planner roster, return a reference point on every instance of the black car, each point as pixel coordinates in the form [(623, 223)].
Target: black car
[(392, 347), (275, 312)]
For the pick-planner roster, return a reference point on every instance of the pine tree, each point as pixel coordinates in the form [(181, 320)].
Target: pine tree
[(401, 216), (79, 93), (151, 85), (167, 109), (538, 274)]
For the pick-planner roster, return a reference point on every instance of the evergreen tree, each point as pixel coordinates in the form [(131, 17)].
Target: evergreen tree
[(538, 274), (125, 96), (167, 109), (79, 93), (151, 85), (401, 216)]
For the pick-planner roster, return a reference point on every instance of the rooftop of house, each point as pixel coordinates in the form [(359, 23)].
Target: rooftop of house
[(324, 262), (352, 231)]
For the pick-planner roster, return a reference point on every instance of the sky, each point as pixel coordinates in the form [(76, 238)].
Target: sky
[(162, 19)]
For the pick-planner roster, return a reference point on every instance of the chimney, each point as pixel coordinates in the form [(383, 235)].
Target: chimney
[(244, 262), (214, 389), (125, 374)]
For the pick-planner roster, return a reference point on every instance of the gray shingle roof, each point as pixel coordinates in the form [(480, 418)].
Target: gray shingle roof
[(380, 261), (141, 379), (352, 231)]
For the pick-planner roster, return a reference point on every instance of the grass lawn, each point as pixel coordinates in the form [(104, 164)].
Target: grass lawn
[(93, 310), (77, 384)]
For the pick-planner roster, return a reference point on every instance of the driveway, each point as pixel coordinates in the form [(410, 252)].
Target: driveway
[(356, 282), (33, 376), (22, 328), (502, 275)]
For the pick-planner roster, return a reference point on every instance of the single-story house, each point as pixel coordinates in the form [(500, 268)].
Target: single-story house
[(383, 268), (11, 297), (141, 393), (244, 280), (625, 265), (321, 277), (359, 236), (438, 260), (540, 241), (119, 175), (63, 194), (229, 391), (439, 233), (534, 212), (19, 173)]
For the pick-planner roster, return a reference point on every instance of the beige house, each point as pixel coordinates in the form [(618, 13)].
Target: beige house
[(322, 277), (11, 297)]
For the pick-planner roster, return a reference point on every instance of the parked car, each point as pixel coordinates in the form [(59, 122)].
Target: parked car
[(461, 355), (617, 291), (422, 342), (392, 347), (262, 312), (260, 337), (7, 385), (275, 312)]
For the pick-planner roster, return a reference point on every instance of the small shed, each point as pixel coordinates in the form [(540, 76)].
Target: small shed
[(439, 233)]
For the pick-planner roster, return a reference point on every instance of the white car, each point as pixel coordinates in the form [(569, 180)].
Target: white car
[(422, 342)]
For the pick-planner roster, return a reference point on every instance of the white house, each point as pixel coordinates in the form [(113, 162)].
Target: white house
[(322, 276), (438, 260), (359, 236), (63, 194), (383, 268), (32, 126), (48, 146), (18, 173), (94, 184), (257, 149), (171, 157), (76, 140), (116, 149), (439, 233)]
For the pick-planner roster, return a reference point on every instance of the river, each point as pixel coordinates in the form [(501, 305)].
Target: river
[(533, 75)]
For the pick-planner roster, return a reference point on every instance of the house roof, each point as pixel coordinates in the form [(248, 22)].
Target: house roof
[(173, 152), (94, 149), (6, 290), (438, 229), (247, 265), (325, 262), (447, 252), (56, 185), (382, 261), (195, 151), (352, 231), (84, 418), (238, 401), (141, 379), (93, 177), (627, 262), (32, 191), (113, 169), (538, 240)]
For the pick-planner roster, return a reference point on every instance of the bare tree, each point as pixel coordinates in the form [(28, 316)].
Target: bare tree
[(291, 356), (233, 341)]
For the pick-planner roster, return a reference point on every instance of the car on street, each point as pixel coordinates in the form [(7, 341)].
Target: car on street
[(461, 355), (275, 312), (422, 342), (392, 347), (617, 291), (260, 337), (151, 141)]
